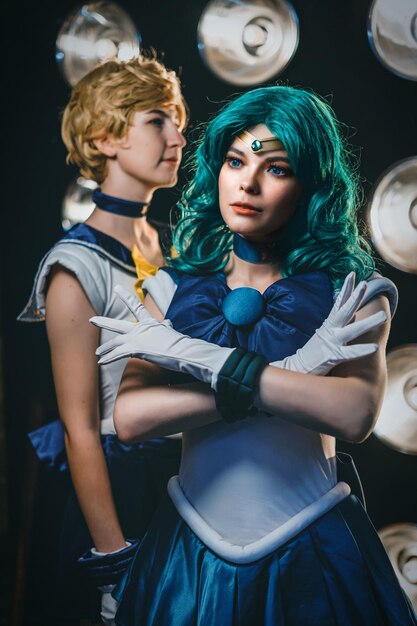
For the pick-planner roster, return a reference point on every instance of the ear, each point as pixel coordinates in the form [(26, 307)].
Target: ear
[(106, 146)]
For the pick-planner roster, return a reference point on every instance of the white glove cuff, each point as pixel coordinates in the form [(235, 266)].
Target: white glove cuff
[(97, 553)]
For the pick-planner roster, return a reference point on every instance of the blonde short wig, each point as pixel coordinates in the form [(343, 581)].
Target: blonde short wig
[(104, 101)]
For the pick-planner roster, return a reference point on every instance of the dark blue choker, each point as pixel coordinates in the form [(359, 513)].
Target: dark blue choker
[(251, 251), (118, 206)]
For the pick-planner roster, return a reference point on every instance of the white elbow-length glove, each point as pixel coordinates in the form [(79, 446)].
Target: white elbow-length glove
[(159, 343), (327, 347)]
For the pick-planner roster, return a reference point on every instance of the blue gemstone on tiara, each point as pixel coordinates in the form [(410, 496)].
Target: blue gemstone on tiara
[(256, 145)]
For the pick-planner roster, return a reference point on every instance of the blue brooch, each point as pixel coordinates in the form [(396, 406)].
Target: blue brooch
[(243, 306)]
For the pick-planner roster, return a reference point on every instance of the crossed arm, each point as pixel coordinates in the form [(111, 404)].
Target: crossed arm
[(344, 404)]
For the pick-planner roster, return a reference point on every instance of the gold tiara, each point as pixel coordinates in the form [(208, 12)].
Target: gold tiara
[(260, 145)]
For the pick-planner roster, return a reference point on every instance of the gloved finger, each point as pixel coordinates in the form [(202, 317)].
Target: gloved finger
[(352, 331), (351, 353), (133, 303), (108, 323), (109, 345), (120, 352), (350, 307), (346, 291)]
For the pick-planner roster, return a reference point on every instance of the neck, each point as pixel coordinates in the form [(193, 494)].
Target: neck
[(248, 265), (250, 273), (126, 187), (252, 251), (120, 218), (119, 206), (125, 229)]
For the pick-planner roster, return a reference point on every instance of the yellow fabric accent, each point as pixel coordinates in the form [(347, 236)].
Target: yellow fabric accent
[(144, 269)]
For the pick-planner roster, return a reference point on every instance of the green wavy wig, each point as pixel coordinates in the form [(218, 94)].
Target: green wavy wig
[(323, 233)]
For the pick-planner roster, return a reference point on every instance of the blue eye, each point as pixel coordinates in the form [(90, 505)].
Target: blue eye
[(234, 162), (277, 171)]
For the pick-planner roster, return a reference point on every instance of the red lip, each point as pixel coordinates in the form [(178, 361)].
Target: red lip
[(171, 161), (244, 208)]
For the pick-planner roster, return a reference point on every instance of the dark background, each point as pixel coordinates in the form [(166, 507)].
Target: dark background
[(333, 57)]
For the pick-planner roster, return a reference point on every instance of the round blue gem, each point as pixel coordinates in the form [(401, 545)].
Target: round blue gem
[(256, 145), (243, 306)]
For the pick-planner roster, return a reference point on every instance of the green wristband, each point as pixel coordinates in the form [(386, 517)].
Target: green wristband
[(237, 384)]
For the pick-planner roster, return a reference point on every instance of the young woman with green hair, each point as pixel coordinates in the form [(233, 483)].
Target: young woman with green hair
[(257, 529)]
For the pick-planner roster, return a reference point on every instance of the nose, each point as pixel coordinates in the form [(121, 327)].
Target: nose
[(176, 138), (249, 184)]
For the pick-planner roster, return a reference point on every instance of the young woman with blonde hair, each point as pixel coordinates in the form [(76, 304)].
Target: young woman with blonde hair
[(123, 129)]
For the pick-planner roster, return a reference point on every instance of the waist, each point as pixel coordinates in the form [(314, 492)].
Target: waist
[(254, 550), (246, 480)]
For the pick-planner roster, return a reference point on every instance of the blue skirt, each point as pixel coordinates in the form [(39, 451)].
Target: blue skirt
[(335, 572), (138, 473)]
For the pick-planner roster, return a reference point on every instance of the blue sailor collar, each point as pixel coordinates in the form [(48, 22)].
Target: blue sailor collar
[(294, 307), (103, 244)]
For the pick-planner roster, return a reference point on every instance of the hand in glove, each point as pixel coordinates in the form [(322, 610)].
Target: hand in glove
[(327, 347), (158, 343), (104, 570), (109, 605)]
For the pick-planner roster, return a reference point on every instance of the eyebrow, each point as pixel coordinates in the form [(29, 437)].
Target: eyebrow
[(159, 111), (269, 159), (167, 116)]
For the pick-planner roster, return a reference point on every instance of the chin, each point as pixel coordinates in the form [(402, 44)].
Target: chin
[(167, 182), (243, 226)]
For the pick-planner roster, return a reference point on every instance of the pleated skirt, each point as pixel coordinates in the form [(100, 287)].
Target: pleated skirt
[(335, 572)]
